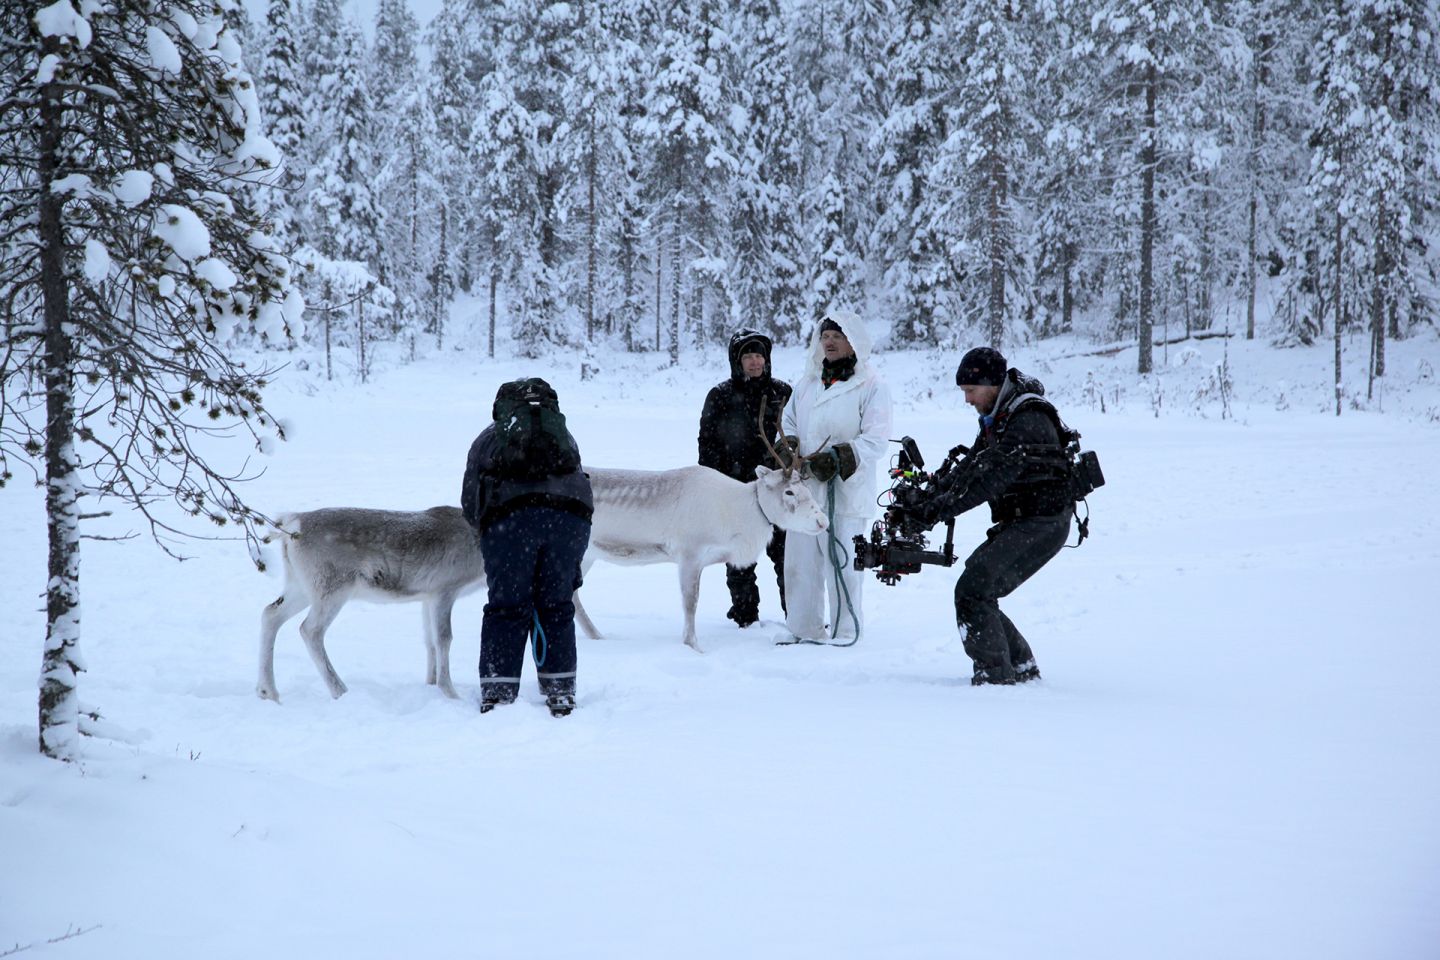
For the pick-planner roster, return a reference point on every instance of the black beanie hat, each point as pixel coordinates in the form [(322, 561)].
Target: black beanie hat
[(981, 367), (828, 324), (755, 345)]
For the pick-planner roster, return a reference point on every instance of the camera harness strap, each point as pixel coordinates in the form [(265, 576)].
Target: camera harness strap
[(1045, 454)]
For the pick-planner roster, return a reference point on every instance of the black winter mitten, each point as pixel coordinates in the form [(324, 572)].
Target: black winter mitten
[(823, 465)]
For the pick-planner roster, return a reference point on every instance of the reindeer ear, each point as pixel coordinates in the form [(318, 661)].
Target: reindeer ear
[(761, 470)]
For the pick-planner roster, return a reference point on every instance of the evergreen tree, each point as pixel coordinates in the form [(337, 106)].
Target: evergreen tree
[(768, 262), (130, 255), (279, 85), (978, 172), (686, 110), (840, 49), (907, 236), (1142, 55)]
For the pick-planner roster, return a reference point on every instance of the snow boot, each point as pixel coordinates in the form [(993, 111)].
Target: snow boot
[(1027, 671), (560, 704), (983, 678)]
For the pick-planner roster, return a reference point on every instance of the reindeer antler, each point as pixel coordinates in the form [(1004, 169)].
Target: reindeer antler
[(786, 463)]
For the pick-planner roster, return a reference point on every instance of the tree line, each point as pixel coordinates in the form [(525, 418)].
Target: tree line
[(652, 174)]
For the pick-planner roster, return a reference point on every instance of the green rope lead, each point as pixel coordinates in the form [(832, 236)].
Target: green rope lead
[(838, 561)]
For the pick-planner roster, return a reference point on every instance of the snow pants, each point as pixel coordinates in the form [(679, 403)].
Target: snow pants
[(1011, 554), (745, 591), (532, 570), (810, 578)]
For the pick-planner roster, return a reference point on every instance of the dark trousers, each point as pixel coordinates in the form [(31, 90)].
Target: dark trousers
[(745, 591), (532, 569), (1011, 554)]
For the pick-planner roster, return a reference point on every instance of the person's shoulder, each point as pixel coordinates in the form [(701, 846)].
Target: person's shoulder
[(781, 387)]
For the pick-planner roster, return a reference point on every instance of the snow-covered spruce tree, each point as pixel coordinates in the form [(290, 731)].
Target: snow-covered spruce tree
[(1139, 56), (462, 40), (767, 268), (1264, 123), (1064, 177), (503, 138), (626, 77), (686, 111), (129, 255), (403, 132), (906, 235), (344, 217), (1341, 128), (1417, 112), (979, 169), (589, 89), (279, 88), (1397, 46), (539, 49), (839, 49), (833, 267)]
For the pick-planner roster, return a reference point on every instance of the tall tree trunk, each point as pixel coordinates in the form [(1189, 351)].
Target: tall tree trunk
[(676, 273), (1147, 224), (1339, 312), (1380, 295), (1067, 290), (494, 282), (442, 273), (59, 704), (360, 336), (998, 187), (591, 242), (1259, 77), (326, 293)]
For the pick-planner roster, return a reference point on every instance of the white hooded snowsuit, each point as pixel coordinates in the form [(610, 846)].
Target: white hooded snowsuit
[(854, 411)]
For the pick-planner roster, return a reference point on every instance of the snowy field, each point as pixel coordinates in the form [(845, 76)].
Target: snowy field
[(1234, 753)]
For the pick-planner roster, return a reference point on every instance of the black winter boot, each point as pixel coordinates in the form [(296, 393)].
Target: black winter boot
[(560, 704)]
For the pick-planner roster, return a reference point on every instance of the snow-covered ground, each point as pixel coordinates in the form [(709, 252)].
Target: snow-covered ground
[(1235, 751)]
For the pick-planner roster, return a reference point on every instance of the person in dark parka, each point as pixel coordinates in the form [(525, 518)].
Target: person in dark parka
[(534, 528), (1016, 467), (730, 442)]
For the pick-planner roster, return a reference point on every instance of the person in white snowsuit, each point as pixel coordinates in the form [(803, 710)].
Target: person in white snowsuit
[(839, 418)]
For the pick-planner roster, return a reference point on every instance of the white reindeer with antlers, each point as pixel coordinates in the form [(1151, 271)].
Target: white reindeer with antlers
[(694, 517)]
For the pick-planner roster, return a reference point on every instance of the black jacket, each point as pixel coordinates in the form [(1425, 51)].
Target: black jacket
[(1016, 464), (485, 497), (730, 438)]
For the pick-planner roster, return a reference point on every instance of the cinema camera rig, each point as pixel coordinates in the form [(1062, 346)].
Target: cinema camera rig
[(897, 543)]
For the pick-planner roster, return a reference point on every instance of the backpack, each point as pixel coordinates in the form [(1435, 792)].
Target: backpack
[(533, 442)]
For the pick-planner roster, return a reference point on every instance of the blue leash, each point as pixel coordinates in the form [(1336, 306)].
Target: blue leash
[(537, 637)]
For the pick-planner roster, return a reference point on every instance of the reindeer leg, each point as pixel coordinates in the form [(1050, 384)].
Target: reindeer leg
[(427, 617), (582, 616), (689, 598), (441, 635), (312, 631), (272, 618)]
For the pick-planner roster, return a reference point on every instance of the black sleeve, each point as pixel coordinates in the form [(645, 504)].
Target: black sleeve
[(711, 454), (473, 488), (986, 474)]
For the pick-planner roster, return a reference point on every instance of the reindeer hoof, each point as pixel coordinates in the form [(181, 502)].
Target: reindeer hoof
[(267, 693)]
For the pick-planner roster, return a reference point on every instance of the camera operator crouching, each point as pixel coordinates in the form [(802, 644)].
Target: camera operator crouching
[(1017, 465)]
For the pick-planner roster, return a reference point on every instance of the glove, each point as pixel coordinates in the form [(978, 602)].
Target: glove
[(786, 449), (839, 459), (823, 465)]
